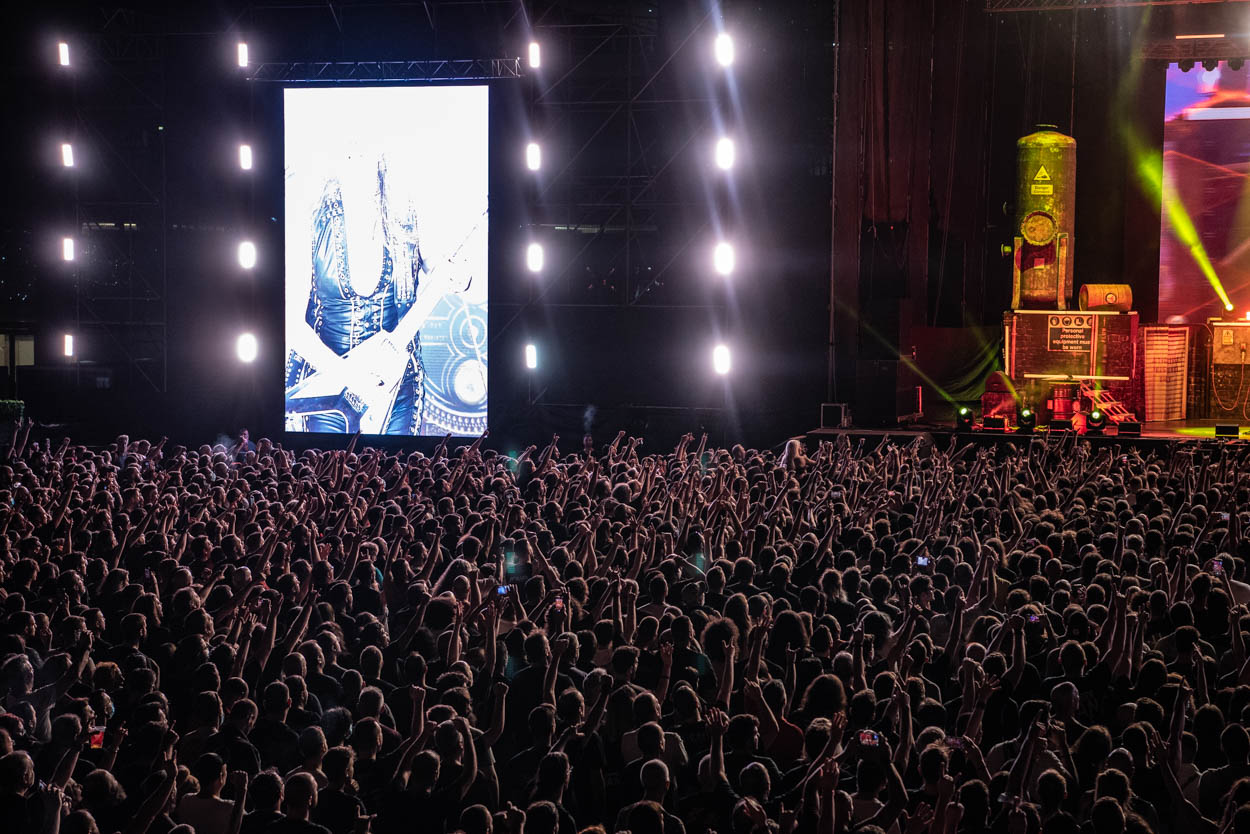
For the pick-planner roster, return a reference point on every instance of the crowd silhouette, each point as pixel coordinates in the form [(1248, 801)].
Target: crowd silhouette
[(1039, 636)]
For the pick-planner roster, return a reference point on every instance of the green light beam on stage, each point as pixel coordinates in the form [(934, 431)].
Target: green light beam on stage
[(1148, 165)]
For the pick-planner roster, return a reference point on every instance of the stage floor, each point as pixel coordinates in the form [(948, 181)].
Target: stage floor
[(1193, 431)]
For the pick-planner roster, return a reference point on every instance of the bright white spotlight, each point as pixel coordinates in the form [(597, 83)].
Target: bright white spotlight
[(67, 249), (536, 55), (68, 348), (246, 347), (723, 258), (242, 54), (1228, 306), (67, 154), (724, 48), (62, 50), (724, 153), (533, 156), (531, 357), (720, 359), (534, 257), (247, 254), (245, 157)]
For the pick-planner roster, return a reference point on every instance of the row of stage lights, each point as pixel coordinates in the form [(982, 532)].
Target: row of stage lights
[(247, 347), (721, 358), (723, 152)]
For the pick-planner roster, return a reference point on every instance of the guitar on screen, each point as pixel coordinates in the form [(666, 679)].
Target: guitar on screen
[(361, 388)]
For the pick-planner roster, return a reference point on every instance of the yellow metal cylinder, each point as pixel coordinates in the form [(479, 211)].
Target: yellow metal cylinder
[(1045, 219), (1096, 297)]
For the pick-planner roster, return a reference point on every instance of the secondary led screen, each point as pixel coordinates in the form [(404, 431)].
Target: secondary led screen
[(1204, 252), (386, 253)]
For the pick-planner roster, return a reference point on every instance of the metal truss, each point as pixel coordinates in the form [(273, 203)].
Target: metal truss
[(1205, 49), (362, 72), (1070, 5)]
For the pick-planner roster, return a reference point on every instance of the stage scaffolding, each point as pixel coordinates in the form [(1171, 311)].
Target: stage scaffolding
[(120, 218), (624, 139)]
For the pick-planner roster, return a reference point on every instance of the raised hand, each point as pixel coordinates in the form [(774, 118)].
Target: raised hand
[(717, 722)]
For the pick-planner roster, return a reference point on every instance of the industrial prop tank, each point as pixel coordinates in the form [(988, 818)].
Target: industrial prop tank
[(1045, 221)]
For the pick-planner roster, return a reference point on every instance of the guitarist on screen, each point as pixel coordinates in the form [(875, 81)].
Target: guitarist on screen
[(355, 358)]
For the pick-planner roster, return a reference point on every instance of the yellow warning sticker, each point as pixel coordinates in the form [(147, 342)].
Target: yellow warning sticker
[(1042, 190), (1042, 175)]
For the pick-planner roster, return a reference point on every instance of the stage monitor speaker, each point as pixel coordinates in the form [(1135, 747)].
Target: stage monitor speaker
[(1060, 425), (994, 423), (1129, 429), (1227, 430), (834, 416)]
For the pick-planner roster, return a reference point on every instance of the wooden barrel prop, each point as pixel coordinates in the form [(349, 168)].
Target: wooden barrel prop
[(1097, 297), (1062, 402)]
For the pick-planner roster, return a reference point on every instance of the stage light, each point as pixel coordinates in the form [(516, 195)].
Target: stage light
[(242, 54), (245, 157), (246, 347), (62, 50), (533, 156), (1186, 65), (1027, 420), (723, 259), (1096, 422), (531, 357), (1228, 305), (721, 359), (724, 49), (67, 154), (68, 347), (247, 254), (534, 257), (67, 249), (724, 153), (1247, 315), (536, 55), (963, 419), (1235, 64)]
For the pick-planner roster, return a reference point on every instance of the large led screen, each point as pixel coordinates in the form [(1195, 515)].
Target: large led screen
[(1204, 253), (386, 254)]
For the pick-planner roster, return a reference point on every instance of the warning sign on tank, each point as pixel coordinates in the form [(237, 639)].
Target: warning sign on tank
[(1070, 334)]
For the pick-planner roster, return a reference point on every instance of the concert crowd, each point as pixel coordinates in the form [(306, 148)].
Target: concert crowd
[(1041, 636)]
